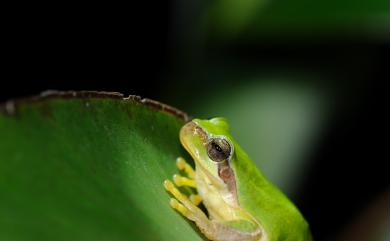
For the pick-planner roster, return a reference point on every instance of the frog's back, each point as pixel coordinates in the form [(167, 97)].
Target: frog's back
[(277, 215)]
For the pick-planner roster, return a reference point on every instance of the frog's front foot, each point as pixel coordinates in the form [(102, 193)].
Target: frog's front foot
[(187, 206), (188, 181)]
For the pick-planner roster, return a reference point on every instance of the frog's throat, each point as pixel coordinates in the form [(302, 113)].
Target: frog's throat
[(225, 172)]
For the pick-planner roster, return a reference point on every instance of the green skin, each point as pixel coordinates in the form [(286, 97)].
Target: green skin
[(274, 213)]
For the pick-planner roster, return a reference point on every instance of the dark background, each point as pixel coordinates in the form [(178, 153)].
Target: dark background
[(151, 51)]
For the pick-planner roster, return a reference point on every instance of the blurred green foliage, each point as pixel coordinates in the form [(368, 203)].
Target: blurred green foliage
[(254, 18)]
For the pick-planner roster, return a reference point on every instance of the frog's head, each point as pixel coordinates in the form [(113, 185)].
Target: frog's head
[(211, 146)]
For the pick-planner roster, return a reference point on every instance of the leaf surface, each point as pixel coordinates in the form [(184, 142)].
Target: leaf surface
[(89, 166)]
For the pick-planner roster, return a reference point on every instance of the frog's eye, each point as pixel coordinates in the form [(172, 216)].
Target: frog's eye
[(218, 149)]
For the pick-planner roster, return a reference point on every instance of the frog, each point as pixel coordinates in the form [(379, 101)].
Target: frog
[(240, 203)]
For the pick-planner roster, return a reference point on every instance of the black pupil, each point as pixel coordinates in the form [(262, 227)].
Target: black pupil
[(217, 147)]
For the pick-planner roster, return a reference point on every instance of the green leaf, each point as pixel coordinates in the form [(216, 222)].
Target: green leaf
[(89, 166)]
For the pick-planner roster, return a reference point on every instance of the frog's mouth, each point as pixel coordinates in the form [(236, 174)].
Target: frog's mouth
[(191, 129), (193, 138)]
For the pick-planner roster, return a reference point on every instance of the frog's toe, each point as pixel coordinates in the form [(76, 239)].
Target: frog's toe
[(183, 181), (182, 165), (178, 206), (170, 187)]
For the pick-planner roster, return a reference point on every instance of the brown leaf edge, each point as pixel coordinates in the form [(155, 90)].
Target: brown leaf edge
[(10, 107)]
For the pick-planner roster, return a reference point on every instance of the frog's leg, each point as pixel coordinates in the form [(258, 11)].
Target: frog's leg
[(211, 229), (182, 204)]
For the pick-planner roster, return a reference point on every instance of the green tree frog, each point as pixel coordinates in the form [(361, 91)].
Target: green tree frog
[(241, 203)]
